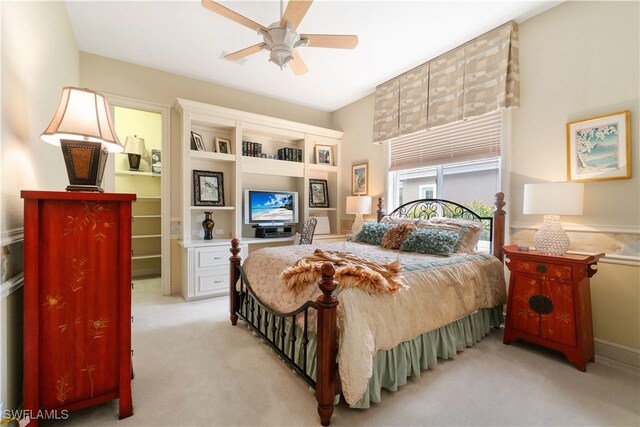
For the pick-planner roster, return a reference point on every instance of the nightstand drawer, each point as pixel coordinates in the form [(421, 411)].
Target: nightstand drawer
[(555, 272)]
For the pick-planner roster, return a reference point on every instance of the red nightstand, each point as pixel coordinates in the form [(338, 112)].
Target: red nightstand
[(550, 302)]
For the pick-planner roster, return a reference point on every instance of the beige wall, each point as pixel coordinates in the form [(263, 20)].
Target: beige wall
[(39, 57), (577, 60)]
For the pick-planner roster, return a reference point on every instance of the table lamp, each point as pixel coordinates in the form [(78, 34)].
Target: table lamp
[(83, 128), (552, 200), (135, 149), (358, 205)]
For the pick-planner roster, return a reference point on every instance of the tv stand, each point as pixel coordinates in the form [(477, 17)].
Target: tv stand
[(267, 232)]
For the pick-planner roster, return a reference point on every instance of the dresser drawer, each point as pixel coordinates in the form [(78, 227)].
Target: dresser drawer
[(207, 258), (212, 283), (549, 271)]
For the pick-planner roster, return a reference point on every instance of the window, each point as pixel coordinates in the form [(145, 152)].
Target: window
[(427, 191)]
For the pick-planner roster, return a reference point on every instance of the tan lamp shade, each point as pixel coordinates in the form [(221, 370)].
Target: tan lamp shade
[(83, 128), (358, 205), (135, 145)]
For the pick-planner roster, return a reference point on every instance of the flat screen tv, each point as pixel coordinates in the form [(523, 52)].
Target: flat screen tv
[(270, 207)]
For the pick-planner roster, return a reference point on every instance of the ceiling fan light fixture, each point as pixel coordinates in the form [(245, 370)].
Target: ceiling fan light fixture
[(281, 41)]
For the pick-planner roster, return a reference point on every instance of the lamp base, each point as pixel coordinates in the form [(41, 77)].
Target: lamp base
[(85, 162), (551, 239), (134, 161), (357, 224)]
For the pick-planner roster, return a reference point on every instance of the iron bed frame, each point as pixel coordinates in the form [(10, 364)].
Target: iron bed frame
[(245, 305)]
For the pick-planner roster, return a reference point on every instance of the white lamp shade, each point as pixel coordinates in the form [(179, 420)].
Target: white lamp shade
[(135, 145), (358, 205), (553, 198), (82, 115)]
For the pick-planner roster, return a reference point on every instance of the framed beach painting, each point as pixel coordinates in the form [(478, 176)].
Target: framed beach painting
[(599, 148), (359, 178)]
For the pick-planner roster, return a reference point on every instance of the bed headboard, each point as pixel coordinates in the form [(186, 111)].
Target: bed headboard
[(430, 208)]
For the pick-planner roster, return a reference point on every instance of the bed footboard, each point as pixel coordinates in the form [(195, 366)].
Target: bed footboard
[(284, 338)]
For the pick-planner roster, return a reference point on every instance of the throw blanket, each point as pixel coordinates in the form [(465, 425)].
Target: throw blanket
[(351, 271), (438, 291)]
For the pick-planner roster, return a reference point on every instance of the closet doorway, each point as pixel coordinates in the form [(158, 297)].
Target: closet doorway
[(143, 128)]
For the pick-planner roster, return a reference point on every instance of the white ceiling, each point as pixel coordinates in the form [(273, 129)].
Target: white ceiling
[(182, 37)]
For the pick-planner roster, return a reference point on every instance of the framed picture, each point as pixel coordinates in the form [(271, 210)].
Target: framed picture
[(359, 179), (156, 164), (318, 194), (197, 142), (223, 145), (324, 155), (599, 148), (208, 188)]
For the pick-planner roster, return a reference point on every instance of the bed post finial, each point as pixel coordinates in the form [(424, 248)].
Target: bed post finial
[(327, 344), (381, 211), (498, 226), (234, 276)]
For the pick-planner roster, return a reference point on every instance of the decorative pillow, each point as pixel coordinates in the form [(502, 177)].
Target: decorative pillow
[(395, 236), (372, 233), (468, 231), (396, 220), (431, 241)]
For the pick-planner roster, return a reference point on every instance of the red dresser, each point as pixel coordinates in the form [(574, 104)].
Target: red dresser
[(550, 302), (77, 300)]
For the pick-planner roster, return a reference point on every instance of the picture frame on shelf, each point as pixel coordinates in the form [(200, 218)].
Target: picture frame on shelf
[(208, 188), (324, 155), (223, 145), (599, 148), (318, 193), (197, 142), (360, 179), (156, 163)]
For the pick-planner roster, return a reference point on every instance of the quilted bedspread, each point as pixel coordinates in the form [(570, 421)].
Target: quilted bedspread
[(439, 290)]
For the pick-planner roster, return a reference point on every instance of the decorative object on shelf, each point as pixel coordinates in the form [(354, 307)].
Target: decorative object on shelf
[(197, 142), (223, 145), (281, 38), (207, 225), (208, 188), (599, 148), (324, 155), (135, 149), (359, 179), (83, 128), (323, 226), (156, 161), (358, 205), (318, 193), (551, 200)]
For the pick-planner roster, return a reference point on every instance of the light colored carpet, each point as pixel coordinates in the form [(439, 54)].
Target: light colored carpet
[(193, 368)]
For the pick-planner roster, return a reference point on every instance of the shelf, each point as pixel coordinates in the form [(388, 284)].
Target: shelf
[(258, 165), (322, 209), (213, 208), (134, 173), (210, 155), (148, 199), (198, 243), (324, 168), (145, 256), (146, 236), (146, 216)]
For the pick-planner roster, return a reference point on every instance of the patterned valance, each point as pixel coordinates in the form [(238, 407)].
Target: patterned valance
[(471, 80)]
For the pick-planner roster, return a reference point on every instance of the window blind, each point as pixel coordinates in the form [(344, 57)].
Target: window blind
[(473, 139)]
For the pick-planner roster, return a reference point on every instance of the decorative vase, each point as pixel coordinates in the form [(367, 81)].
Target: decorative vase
[(207, 225)]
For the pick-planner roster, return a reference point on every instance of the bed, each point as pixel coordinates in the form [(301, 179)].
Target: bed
[(345, 338)]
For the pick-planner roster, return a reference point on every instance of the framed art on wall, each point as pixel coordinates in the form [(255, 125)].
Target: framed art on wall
[(318, 194), (359, 178), (208, 188), (197, 142), (599, 148)]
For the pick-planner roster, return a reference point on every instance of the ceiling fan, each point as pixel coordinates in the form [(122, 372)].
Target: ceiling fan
[(281, 38)]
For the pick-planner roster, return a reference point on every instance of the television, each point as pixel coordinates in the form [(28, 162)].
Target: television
[(270, 207)]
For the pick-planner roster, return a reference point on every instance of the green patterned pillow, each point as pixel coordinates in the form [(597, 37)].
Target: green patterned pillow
[(431, 241), (372, 232)]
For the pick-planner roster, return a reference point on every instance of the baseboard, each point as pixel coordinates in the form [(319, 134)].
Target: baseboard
[(619, 353)]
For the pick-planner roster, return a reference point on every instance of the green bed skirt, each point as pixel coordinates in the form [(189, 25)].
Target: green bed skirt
[(391, 368)]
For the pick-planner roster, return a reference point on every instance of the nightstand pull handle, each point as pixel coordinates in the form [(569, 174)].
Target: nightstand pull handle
[(541, 268), (541, 304)]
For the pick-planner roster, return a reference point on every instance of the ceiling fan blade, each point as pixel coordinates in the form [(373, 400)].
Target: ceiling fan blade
[(295, 11), (297, 64), (228, 13), (336, 41), (245, 52)]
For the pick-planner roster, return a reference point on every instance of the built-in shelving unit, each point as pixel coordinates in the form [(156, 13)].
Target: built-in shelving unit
[(146, 237), (241, 172)]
